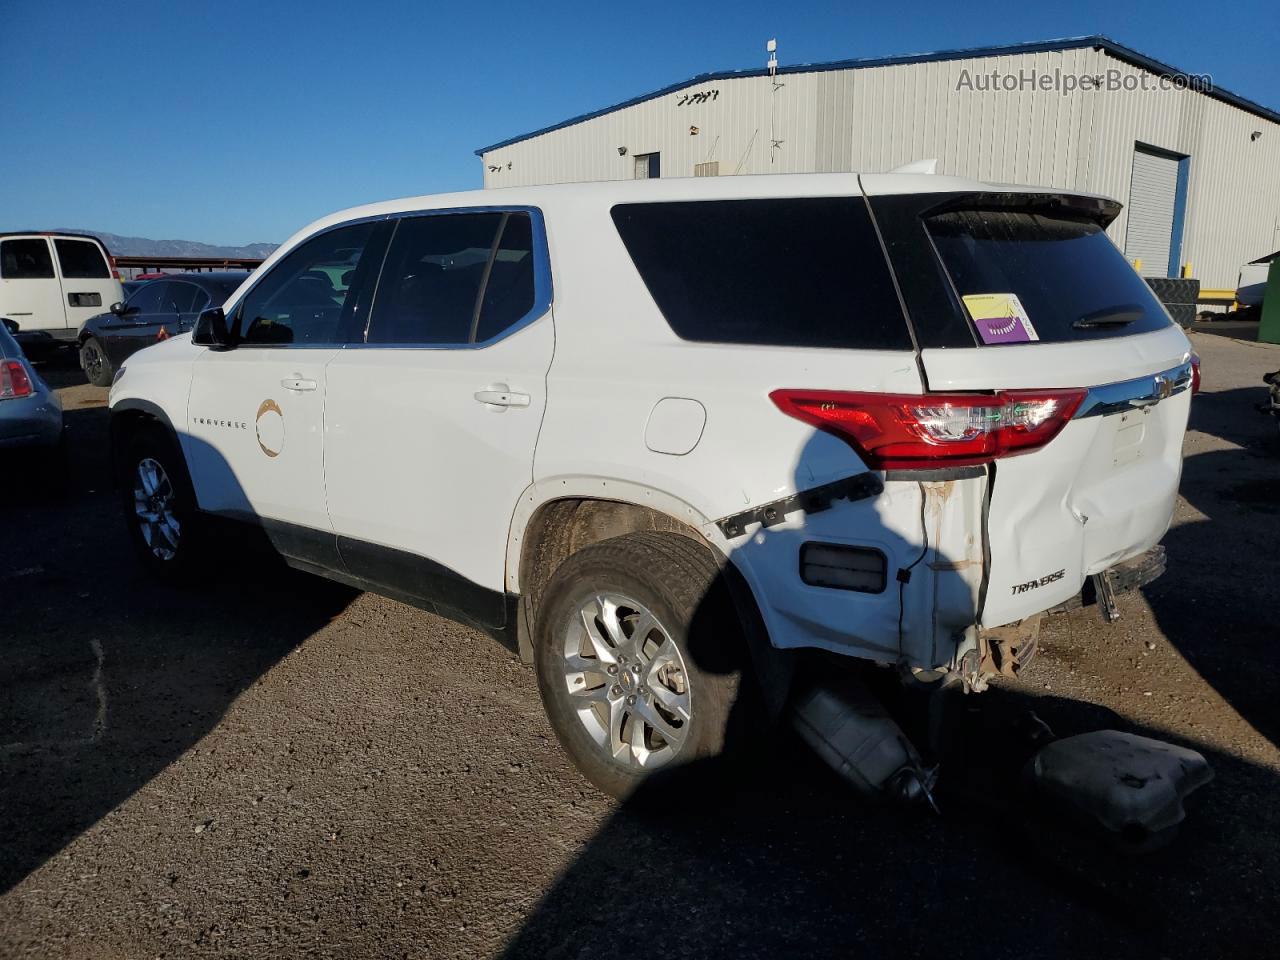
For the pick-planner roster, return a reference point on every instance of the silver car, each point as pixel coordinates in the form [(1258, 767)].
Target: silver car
[(30, 413)]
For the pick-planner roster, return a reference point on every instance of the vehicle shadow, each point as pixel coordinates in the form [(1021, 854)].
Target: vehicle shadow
[(108, 675), (1219, 600), (765, 852), (782, 859), (1246, 330)]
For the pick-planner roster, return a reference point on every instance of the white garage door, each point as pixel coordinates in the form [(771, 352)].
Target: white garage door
[(1153, 198)]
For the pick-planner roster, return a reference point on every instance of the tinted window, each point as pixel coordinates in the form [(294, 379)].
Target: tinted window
[(165, 292), (795, 272), (509, 290), (222, 289), (181, 297), (200, 301), (430, 285), (81, 260), (25, 259), (146, 299), (1072, 282), (304, 299)]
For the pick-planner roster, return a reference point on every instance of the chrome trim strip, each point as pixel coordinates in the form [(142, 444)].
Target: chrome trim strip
[(1130, 395)]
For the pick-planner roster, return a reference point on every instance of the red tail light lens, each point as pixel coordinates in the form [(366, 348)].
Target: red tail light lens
[(1195, 374), (904, 431), (14, 381)]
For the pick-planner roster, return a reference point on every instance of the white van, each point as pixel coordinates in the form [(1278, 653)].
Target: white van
[(53, 282)]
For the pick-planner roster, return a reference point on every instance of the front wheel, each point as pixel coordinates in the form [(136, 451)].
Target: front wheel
[(159, 505), (93, 361), (638, 654)]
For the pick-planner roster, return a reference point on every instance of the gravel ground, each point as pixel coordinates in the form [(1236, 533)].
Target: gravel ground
[(271, 765)]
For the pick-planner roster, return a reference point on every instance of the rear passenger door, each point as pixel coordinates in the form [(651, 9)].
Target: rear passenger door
[(88, 285), (432, 417)]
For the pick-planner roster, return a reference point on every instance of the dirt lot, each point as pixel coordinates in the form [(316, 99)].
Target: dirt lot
[(270, 765)]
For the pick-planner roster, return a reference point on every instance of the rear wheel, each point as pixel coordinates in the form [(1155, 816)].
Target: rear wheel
[(638, 654), (159, 505), (93, 361)]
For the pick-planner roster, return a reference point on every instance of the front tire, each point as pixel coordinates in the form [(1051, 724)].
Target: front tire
[(158, 503), (639, 653), (93, 361)]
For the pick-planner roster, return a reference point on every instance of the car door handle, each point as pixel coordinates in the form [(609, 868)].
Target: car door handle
[(298, 384), (500, 395)]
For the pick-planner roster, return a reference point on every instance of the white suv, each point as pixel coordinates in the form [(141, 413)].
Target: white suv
[(656, 434)]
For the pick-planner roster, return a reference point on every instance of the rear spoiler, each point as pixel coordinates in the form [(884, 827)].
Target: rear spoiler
[(1098, 209)]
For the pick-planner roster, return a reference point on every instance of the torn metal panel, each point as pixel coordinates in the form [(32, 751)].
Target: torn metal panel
[(859, 487)]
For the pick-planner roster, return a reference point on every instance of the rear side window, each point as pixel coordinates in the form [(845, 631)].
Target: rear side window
[(1068, 278), (81, 260), (26, 259), (509, 290), (182, 296), (455, 279), (791, 272)]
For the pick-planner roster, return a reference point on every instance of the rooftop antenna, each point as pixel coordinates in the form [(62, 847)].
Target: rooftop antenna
[(771, 48)]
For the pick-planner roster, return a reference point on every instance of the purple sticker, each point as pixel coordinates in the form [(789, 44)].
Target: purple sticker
[(1000, 318)]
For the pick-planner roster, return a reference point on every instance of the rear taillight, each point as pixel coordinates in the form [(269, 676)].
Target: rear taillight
[(1195, 374), (14, 381), (905, 431)]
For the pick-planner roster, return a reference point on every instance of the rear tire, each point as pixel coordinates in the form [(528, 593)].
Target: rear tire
[(93, 361), (639, 654), (158, 503)]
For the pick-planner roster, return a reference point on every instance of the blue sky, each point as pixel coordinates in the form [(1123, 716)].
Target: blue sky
[(233, 122)]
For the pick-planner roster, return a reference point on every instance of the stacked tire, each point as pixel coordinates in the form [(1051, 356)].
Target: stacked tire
[(1178, 296)]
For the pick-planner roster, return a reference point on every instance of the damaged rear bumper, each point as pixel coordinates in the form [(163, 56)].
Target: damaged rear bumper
[(1102, 588)]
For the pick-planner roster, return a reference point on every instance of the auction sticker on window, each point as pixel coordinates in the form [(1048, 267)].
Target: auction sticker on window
[(1000, 318)]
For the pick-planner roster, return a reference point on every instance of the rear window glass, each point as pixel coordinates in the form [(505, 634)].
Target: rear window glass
[(25, 259), (1068, 279), (81, 260), (803, 272)]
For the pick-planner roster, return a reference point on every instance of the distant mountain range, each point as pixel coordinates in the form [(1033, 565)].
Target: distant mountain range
[(144, 247)]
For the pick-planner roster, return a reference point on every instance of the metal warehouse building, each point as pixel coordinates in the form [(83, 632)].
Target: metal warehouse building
[(1197, 167)]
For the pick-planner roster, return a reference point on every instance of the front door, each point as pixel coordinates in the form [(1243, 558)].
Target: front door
[(138, 324), (255, 438), (432, 420)]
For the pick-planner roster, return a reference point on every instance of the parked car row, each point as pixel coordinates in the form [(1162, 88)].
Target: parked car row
[(155, 310), (59, 290)]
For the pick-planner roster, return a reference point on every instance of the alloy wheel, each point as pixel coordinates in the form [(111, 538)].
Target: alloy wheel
[(627, 681), (153, 502)]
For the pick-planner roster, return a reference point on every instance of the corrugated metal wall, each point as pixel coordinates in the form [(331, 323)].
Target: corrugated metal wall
[(875, 118)]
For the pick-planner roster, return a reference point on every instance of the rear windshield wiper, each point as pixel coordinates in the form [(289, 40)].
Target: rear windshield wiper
[(1110, 317)]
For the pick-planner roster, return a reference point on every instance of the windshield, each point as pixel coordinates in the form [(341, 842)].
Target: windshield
[(1027, 275)]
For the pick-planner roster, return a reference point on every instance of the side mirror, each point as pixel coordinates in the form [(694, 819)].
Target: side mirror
[(117, 308), (211, 330), (10, 325)]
